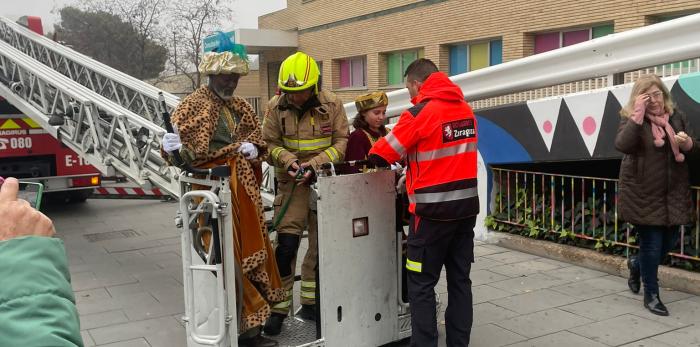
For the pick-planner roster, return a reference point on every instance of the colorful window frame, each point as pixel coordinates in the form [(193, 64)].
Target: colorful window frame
[(353, 72), (545, 42), (474, 56), (397, 62)]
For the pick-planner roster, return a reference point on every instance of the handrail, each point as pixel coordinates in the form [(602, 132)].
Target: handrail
[(190, 318), (660, 43)]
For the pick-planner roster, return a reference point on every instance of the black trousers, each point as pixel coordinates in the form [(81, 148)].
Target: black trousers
[(432, 244)]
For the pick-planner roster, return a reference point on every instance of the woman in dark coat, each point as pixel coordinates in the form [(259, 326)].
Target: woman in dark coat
[(654, 181)]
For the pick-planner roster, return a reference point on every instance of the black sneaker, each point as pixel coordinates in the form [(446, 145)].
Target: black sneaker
[(273, 326), (257, 341), (634, 281), (307, 312)]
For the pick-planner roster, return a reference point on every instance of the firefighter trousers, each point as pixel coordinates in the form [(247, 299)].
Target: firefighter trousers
[(432, 244), (298, 217)]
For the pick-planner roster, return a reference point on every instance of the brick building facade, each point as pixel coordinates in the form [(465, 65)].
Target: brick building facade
[(365, 45)]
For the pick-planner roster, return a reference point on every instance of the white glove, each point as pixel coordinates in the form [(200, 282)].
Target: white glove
[(401, 184), (171, 142), (249, 150)]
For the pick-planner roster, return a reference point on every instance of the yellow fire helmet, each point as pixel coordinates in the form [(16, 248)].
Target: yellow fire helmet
[(298, 72)]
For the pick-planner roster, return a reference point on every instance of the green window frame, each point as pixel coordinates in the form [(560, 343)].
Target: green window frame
[(397, 62)]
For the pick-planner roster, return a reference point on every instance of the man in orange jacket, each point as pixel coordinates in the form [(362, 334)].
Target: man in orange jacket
[(438, 138)]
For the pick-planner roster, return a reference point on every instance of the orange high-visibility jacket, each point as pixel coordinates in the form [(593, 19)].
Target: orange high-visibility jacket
[(438, 138)]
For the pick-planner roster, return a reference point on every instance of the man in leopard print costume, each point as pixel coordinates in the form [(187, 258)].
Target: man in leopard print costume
[(215, 127)]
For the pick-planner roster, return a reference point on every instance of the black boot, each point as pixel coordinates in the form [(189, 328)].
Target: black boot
[(634, 281), (653, 303), (307, 312), (257, 341), (273, 326)]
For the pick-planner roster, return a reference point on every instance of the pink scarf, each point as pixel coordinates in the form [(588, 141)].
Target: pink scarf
[(660, 128)]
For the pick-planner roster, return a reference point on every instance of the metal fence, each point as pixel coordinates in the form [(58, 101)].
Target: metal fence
[(670, 69), (576, 207)]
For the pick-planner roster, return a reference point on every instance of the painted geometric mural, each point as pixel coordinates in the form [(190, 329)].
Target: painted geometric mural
[(579, 126)]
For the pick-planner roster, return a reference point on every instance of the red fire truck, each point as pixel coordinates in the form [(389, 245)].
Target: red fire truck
[(29, 152)]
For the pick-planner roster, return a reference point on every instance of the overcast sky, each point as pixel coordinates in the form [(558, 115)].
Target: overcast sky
[(245, 16)]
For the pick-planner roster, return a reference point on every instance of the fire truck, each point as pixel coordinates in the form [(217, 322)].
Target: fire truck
[(29, 152)]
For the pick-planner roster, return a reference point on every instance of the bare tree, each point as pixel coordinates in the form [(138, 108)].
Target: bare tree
[(144, 16), (109, 39), (190, 21), (179, 25)]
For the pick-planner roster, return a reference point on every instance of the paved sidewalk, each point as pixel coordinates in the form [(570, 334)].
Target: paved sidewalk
[(128, 287)]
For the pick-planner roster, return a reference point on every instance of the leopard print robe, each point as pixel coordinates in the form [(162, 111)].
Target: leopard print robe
[(196, 119)]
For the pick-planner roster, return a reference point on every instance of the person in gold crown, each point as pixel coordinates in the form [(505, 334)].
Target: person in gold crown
[(369, 127), (216, 127)]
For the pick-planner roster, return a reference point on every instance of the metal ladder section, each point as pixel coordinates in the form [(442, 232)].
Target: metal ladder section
[(109, 136), (109, 118), (131, 93)]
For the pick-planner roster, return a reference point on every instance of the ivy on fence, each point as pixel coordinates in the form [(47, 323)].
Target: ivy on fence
[(590, 223)]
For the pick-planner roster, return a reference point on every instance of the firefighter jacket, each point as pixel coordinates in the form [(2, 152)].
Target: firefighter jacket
[(438, 138), (317, 136)]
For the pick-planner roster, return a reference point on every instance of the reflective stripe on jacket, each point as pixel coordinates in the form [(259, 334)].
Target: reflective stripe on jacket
[(438, 138), (318, 136)]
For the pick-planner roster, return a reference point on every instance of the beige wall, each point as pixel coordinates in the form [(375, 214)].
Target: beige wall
[(249, 86), (267, 58), (433, 27), (301, 14), (180, 85)]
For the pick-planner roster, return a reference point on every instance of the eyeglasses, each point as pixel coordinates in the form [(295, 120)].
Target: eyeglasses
[(656, 95)]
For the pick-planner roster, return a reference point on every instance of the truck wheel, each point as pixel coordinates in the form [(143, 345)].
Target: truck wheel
[(80, 196)]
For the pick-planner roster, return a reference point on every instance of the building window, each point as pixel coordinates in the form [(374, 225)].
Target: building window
[(664, 18), (397, 62), (549, 41), (682, 64), (474, 56), (353, 72)]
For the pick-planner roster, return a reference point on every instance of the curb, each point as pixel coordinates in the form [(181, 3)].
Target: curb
[(669, 277)]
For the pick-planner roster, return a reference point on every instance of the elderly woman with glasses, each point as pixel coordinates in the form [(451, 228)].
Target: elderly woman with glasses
[(654, 181)]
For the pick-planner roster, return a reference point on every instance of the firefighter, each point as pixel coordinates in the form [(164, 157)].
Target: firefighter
[(304, 128), (438, 137)]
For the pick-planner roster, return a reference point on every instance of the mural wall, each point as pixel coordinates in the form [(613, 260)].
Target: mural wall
[(568, 128), (578, 126)]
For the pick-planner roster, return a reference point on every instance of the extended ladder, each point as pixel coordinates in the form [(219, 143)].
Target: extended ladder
[(133, 94), (112, 119), (109, 118)]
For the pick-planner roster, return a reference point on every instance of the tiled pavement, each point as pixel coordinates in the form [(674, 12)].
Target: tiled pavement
[(129, 289)]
